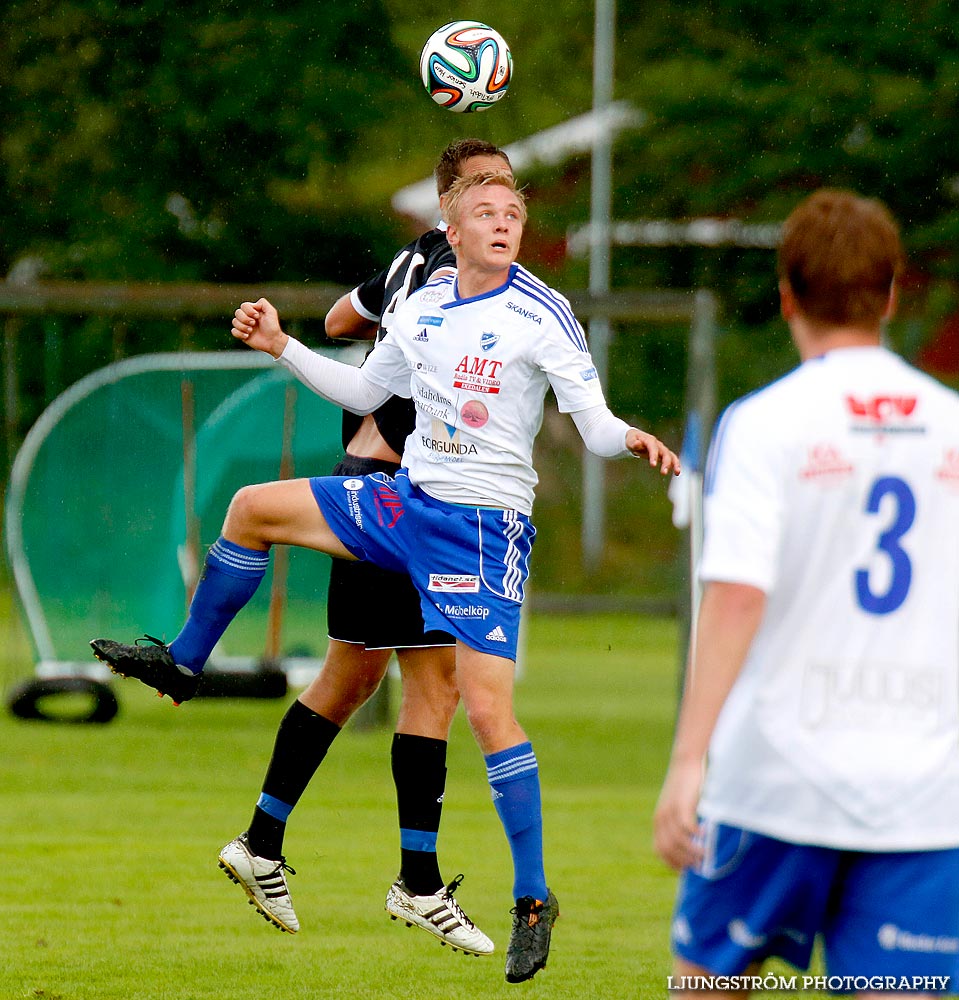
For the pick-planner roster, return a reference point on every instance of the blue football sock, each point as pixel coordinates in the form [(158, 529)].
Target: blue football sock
[(231, 574), (513, 775)]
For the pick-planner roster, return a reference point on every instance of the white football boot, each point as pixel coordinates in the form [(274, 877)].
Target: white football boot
[(439, 914), (263, 880)]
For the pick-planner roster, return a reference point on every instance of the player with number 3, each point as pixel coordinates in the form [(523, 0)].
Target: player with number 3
[(824, 676)]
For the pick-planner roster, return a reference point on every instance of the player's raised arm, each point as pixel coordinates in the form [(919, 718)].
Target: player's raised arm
[(257, 324)]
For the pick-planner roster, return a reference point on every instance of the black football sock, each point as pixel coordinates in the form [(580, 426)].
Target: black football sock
[(302, 741), (419, 773)]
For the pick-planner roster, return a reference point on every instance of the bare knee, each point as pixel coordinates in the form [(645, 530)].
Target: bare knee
[(247, 516), (349, 677), (280, 513), (362, 683), (486, 687), (493, 724)]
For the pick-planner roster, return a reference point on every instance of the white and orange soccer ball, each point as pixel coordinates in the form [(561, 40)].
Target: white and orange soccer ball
[(466, 66)]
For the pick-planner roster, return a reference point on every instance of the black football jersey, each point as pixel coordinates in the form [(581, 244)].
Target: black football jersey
[(381, 295)]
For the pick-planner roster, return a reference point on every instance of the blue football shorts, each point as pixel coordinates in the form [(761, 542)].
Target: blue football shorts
[(469, 564), (878, 914), (356, 587)]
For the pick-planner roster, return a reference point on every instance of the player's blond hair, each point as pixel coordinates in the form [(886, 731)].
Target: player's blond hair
[(840, 254), (451, 204)]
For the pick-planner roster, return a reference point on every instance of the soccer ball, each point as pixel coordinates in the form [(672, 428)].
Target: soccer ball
[(466, 66)]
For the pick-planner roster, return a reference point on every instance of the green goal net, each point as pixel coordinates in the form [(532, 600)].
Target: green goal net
[(122, 484)]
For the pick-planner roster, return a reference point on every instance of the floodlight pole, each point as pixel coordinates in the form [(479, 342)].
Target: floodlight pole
[(594, 484)]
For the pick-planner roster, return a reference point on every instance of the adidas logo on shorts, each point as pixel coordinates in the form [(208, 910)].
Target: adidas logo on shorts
[(497, 635)]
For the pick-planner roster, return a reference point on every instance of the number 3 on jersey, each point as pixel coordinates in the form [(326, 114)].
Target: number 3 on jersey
[(904, 513)]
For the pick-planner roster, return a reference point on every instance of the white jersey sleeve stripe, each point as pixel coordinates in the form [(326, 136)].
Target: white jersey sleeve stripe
[(531, 285), (536, 289), (560, 311), (520, 271), (360, 308)]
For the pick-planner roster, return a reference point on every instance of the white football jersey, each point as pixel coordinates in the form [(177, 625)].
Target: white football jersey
[(478, 370), (836, 491)]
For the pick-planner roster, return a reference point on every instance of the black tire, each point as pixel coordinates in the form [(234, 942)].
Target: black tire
[(24, 700)]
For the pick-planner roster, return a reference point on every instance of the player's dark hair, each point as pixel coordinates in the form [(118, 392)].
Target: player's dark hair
[(840, 254), (456, 154)]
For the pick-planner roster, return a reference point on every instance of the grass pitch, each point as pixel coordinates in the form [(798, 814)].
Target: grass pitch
[(110, 836)]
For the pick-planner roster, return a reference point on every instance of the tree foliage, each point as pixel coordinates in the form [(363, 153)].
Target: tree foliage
[(187, 140), (754, 104), (157, 139)]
